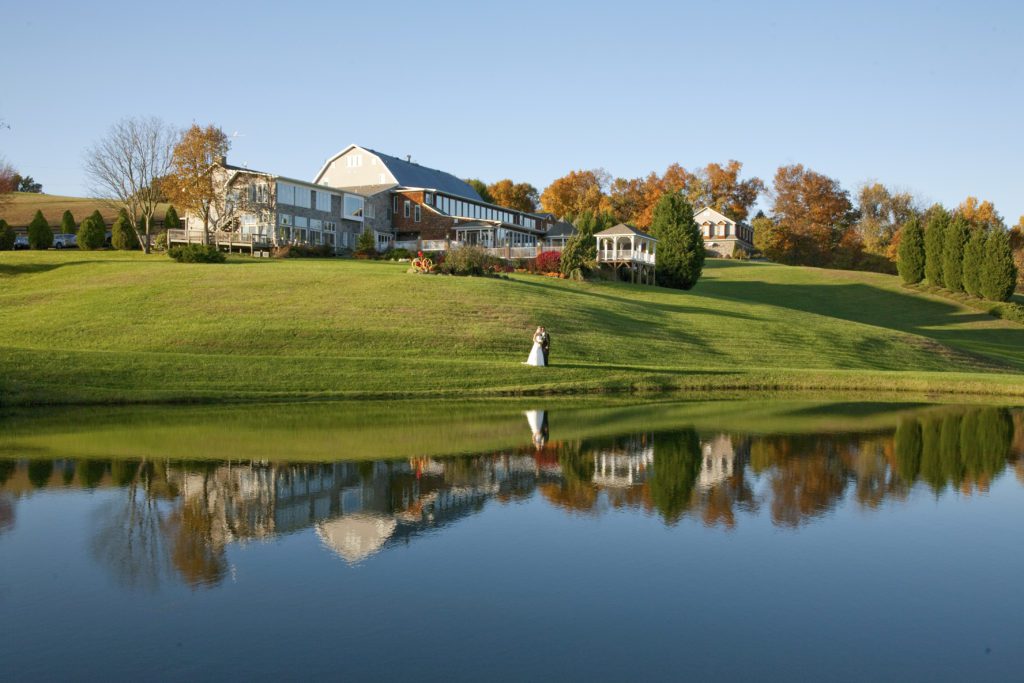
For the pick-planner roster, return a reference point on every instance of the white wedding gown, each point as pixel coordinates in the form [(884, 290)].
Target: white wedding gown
[(536, 356)]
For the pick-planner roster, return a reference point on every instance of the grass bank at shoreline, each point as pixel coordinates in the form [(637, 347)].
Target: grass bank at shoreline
[(110, 327)]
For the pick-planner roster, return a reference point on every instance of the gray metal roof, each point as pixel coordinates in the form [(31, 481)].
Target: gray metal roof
[(409, 174), (560, 228)]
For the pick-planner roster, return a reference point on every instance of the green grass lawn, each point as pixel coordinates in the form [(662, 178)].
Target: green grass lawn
[(123, 327)]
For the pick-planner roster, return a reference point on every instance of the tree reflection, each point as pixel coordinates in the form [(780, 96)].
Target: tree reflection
[(677, 462)]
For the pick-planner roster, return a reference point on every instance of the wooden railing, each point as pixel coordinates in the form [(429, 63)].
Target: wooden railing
[(612, 256), (216, 237)]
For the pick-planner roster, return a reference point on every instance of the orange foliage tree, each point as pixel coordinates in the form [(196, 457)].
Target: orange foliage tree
[(518, 196), (576, 193), (812, 215)]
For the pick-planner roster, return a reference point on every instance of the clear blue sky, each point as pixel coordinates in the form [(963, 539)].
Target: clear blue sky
[(925, 96)]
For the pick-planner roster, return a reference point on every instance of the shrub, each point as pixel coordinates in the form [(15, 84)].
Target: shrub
[(67, 223), (7, 236), (160, 243), (92, 233), (196, 253), (40, 234), (955, 239), (548, 262), (999, 274), (911, 253), (741, 254), (470, 260), (1009, 311), (680, 245), (398, 254), (122, 236), (303, 251)]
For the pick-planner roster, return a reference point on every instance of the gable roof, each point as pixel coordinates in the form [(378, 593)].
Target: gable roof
[(560, 228), (623, 229), (409, 174), (719, 214)]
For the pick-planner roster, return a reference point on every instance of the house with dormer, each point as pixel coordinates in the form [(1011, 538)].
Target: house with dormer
[(722, 235)]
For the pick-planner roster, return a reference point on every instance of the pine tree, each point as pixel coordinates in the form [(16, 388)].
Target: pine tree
[(121, 234), (999, 274), (974, 261), (171, 220), (67, 223), (40, 234), (93, 232), (954, 241), (934, 241), (7, 236), (366, 243), (580, 249), (911, 253), (680, 255)]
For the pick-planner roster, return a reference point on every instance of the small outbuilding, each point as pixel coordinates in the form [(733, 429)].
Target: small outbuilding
[(629, 252)]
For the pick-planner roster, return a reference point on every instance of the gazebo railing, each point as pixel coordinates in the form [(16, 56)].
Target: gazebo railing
[(612, 255)]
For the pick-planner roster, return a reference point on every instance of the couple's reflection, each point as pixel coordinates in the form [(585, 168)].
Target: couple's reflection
[(538, 421)]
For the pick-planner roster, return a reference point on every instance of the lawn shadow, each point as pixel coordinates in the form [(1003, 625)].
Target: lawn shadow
[(14, 269)]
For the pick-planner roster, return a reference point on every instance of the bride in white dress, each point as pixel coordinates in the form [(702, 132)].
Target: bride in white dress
[(536, 353)]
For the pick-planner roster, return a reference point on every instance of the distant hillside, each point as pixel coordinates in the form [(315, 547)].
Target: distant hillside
[(120, 326), (24, 205)]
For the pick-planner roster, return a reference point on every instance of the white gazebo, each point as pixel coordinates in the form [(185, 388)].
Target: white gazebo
[(625, 247)]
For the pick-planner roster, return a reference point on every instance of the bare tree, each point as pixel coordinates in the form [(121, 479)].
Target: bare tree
[(126, 168), (8, 182)]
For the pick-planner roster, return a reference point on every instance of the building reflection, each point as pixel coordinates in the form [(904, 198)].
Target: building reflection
[(180, 518)]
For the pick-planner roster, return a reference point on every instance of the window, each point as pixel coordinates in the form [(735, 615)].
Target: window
[(316, 224), (301, 222), (369, 211), (323, 201), (330, 226), (303, 198), (284, 219), (428, 198), (354, 160), (395, 204), (258, 193), (408, 206), (352, 207), (416, 214), (285, 193)]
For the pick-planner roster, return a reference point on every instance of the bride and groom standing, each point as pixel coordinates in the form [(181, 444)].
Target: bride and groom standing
[(541, 345)]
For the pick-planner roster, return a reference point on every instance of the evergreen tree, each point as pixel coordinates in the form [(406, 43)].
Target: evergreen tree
[(934, 241), (171, 220), (974, 261), (67, 223), (7, 236), (121, 234), (40, 234), (999, 274), (366, 243), (680, 255), (93, 232), (580, 249), (954, 241), (911, 253)]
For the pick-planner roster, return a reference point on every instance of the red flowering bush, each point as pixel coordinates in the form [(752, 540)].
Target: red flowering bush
[(546, 262)]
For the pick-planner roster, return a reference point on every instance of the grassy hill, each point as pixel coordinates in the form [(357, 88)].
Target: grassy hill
[(23, 207), (110, 326)]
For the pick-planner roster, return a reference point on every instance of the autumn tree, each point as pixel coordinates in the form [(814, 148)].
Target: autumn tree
[(517, 196), (954, 241), (67, 223), (481, 189), (576, 193), (934, 244), (882, 212), (8, 182), (974, 262), (125, 166), (812, 214), (720, 188), (680, 245), (195, 182), (911, 254), (999, 275), (40, 234), (980, 214)]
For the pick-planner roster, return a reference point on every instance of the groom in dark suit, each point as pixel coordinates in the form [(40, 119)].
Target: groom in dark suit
[(545, 344)]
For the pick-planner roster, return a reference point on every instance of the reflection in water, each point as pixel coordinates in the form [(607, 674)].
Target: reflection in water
[(179, 518)]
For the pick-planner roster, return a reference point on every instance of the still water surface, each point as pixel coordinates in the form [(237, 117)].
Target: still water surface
[(776, 541)]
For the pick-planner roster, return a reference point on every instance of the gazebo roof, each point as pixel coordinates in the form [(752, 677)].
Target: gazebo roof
[(623, 229)]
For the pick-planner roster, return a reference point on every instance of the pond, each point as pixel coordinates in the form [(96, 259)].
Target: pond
[(731, 539)]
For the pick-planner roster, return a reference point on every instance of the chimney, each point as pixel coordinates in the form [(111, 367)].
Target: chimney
[(408, 157), (222, 160)]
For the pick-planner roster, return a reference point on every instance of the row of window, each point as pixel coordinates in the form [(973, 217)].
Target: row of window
[(316, 237), (464, 209), (353, 206), (723, 230)]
